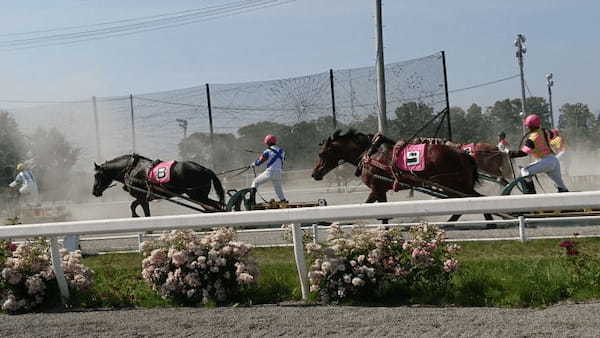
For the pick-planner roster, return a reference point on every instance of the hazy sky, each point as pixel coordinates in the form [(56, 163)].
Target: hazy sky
[(303, 37)]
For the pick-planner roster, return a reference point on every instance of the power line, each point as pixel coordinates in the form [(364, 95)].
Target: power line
[(198, 15), (168, 102), (484, 84), (104, 23), (136, 25), (528, 90)]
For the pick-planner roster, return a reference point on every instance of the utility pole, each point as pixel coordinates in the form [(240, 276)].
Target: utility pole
[(351, 92), (132, 123), (381, 102), (183, 124), (98, 148), (521, 50), (550, 83)]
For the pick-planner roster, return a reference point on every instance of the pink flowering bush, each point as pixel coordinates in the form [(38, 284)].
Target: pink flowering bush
[(370, 263), (27, 278), (584, 269), (187, 269), (6, 249)]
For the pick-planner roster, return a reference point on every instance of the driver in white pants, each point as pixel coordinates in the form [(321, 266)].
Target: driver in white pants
[(274, 156), (537, 145)]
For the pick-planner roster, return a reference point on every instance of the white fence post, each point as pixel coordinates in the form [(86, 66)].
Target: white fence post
[(140, 240), (58, 270), (71, 243), (315, 229), (522, 227), (297, 235)]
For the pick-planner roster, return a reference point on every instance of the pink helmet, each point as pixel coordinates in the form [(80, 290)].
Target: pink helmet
[(533, 121), (270, 140)]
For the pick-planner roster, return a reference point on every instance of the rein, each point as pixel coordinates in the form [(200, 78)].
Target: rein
[(241, 171)]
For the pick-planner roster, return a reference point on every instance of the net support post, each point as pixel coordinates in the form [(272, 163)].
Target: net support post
[(297, 236), (315, 230)]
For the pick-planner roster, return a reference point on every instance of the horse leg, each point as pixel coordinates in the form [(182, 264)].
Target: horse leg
[(372, 197), (132, 206), (381, 196), (454, 218), (488, 217), (146, 206), (208, 201)]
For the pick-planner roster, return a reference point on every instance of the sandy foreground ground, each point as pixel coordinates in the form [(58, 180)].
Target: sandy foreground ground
[(297, 320)]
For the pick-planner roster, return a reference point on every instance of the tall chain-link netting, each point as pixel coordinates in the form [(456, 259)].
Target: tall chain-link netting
[(418, 80), (299, 110), (287, 101)]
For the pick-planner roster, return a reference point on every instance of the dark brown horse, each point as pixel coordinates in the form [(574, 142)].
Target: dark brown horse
[(187, 177), (447, 166)]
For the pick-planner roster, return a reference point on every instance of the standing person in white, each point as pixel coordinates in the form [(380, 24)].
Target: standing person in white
[(274, 157)]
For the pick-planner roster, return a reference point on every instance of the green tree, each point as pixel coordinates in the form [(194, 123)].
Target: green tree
[(251, 139), (505, 116), (479, 125), (538, 105), (410, 118), (12, 148), (226, 155), (461, 130), (368, 125), (577, 122), (53, 157)]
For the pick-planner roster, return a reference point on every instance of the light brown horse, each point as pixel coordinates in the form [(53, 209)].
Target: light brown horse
[(489, 159), (447, 166)]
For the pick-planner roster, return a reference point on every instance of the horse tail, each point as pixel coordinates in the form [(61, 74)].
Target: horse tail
[(218, 186)]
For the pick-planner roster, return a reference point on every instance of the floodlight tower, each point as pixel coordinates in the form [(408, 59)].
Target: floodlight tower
[(550, 83), (521, 50), (183, 124)]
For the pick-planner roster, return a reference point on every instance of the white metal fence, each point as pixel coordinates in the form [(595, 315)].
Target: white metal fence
[(296, 217)]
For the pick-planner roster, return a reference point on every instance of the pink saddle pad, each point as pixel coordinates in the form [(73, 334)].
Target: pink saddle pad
[(412, 158), (161, 173)]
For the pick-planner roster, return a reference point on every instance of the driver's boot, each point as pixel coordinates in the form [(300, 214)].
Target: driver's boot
[(562, 189), (253, 196)]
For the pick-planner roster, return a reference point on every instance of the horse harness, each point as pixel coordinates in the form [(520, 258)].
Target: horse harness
[(395, 180), (129, 180)]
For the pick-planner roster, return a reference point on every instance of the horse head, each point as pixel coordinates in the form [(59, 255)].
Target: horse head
[(337, 149), (102, 180)]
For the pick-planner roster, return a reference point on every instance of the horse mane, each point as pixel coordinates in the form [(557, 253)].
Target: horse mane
[(351, 133), (113, 164)]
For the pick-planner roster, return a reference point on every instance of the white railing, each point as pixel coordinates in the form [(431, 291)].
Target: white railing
[(476, 205)]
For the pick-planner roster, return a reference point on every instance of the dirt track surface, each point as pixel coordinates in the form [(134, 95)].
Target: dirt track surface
[(310, 321)]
